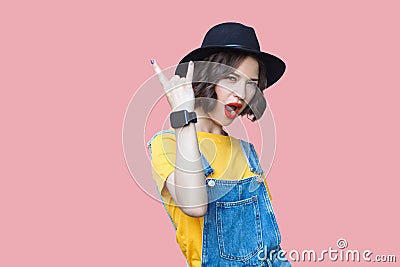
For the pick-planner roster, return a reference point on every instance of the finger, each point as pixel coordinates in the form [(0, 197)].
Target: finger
[(189, 74), (175, 78), (159, 72)]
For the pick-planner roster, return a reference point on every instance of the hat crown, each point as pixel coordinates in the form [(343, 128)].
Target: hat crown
[(231, 34), (234, 37)]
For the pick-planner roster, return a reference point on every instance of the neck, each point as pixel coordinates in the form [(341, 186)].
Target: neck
[(206, 124)]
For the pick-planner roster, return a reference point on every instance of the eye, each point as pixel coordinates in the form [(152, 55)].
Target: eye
[(252, 84), (231, 78)]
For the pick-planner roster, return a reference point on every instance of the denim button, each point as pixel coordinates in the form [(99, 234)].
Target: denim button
[(211, 183), (259, 179)]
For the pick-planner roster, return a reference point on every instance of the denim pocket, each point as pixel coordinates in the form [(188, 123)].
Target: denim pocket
[(239, 229)]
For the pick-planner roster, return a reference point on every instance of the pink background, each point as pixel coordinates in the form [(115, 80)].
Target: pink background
[(69, 69)]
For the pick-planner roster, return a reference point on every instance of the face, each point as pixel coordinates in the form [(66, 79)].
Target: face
[(235, 91)]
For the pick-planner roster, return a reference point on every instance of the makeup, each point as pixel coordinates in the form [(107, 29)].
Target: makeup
[(232, 109)]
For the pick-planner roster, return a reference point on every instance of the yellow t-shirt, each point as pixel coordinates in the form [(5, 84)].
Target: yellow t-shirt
[(225, 156)]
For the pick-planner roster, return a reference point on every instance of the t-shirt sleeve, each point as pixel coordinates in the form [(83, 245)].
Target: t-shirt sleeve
[(266, 186), (163, 153)]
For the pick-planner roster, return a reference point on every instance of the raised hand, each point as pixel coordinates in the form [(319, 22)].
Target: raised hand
[(178, 89)]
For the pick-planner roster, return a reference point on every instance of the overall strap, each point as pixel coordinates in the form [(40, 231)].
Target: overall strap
[(206, 166), (251, 156)]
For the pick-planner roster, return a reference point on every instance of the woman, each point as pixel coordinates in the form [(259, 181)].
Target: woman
[(212, 184)]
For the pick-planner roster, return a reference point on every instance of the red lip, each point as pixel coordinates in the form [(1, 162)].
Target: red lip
[(237, 106)]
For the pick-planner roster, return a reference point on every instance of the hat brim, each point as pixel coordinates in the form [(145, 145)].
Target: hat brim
[(274, 66)]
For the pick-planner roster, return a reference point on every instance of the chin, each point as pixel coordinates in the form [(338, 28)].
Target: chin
[(222, 122), (229, 122), (226, 122)]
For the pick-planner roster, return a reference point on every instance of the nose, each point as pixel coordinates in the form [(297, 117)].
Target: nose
[(240, 90)]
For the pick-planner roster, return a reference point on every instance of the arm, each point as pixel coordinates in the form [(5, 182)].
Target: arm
[(187, 183)]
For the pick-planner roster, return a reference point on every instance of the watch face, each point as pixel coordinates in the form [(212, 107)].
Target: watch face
[(178, 119)]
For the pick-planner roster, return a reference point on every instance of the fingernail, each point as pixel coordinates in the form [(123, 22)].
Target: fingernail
[(152, 61), (190, 62)]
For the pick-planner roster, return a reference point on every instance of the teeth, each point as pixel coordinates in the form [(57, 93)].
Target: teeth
[(231, 109)]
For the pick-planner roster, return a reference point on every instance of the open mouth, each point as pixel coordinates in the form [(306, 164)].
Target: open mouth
[(232, 109)]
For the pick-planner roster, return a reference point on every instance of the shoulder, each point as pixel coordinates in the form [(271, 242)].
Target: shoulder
[(162, 144), (160, 135), (246, 145), (248, 149)]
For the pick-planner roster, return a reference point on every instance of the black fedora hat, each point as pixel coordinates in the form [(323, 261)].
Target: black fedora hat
[(237, 37)]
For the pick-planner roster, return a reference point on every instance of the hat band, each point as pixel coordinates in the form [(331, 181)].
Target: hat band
[(234, 46)]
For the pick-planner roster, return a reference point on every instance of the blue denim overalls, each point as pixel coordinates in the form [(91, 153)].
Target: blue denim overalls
[(239, 227)]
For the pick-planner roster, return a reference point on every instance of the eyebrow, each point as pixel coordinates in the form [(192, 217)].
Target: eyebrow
[(238, 75)]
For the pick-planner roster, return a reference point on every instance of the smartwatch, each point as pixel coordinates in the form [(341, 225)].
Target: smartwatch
[(182, 118)]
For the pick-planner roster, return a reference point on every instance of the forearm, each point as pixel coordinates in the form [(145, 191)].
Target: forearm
[(190, 190)]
